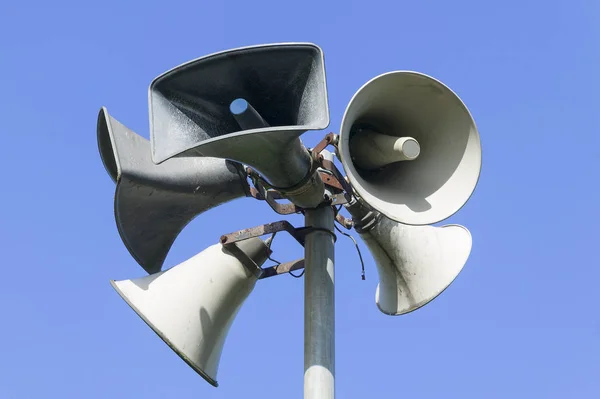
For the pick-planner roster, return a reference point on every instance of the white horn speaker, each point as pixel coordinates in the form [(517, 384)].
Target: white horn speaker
[(192, 305), (410, 148), (153, 203), (415, 263)]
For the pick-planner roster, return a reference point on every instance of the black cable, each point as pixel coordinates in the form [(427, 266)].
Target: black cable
[(298, 276), (274, 260), (278, 262), (272, 238), (362, 263), (269, 257)]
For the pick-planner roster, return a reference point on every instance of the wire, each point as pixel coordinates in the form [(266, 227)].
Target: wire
[(297, 276), (277, 263), (362, 263), (272, 238), (274, 260)]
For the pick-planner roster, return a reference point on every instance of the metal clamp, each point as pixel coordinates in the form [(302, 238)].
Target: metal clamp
[(336, 179), (269, 228), (299, 234), (247, 261), (330, 175), (346, 223), (261, 192), (282, 268)]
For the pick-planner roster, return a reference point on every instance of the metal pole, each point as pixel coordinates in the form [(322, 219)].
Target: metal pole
[(319, 310)]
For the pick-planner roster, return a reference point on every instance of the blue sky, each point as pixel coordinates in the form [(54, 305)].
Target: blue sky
[(520, 321)]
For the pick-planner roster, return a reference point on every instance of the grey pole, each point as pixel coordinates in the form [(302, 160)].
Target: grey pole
[(319, 311)]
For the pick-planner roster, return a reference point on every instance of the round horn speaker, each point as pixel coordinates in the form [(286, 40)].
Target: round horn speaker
[(192, 306), (410, 148)]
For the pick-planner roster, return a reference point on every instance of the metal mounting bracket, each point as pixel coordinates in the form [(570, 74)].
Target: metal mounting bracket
[(329, 173), (299, 234)]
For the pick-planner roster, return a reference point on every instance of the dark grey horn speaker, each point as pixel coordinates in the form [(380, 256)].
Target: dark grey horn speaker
[(153, 203), (249, 105)]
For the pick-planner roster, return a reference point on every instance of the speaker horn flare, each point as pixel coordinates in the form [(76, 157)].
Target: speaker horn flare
[(191, 306), (153, 203), (410, 117), (249, 105), (415, 263)]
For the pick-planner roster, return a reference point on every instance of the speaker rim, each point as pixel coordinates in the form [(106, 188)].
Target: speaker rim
[(174, 348), (351, 171), (445, 288), (293, 131)]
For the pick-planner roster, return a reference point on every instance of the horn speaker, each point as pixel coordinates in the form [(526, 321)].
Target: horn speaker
[(191, 306), (410, 148), (153, 203), (415, 263), (249, 105)]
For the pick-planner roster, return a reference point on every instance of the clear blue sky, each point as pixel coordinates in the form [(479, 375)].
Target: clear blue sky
[(521, 321)]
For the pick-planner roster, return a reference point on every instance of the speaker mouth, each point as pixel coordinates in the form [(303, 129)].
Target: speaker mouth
[(166, 340), (189, 104), (432, 262), (441, 179)]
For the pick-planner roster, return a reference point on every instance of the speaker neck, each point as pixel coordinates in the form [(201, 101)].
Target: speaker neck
[(364, 217)]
